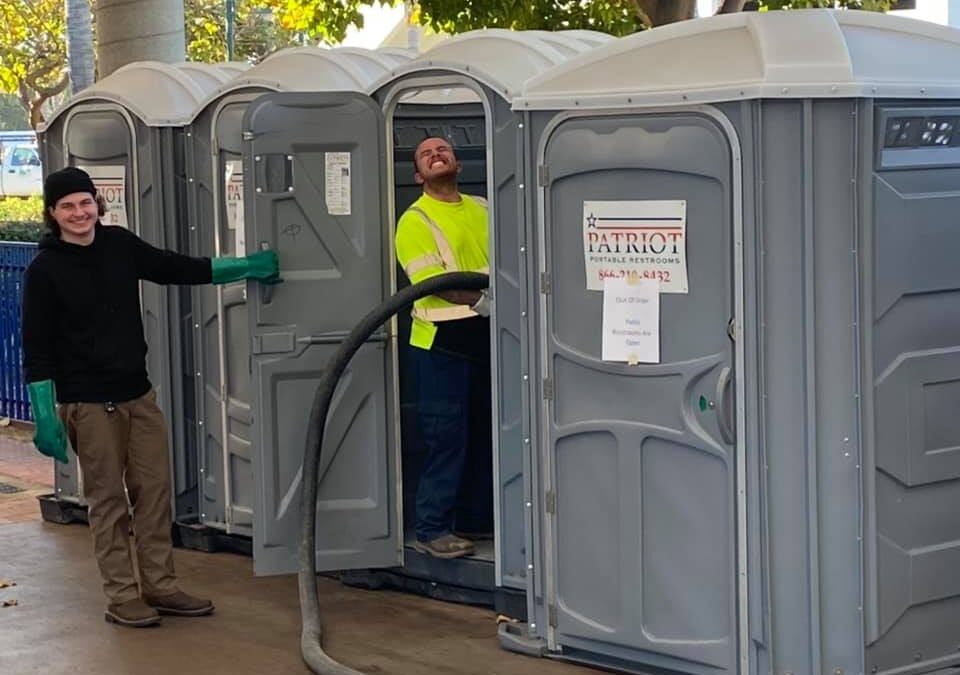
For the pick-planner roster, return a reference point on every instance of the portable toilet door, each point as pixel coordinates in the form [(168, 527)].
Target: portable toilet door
[(323, 195), (220, 333), (125, 131), (639, 453)]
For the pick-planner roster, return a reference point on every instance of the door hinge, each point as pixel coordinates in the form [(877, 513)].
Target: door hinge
[(547, 389), (543, 175), (551, 502), (545, 283), (552, 616)]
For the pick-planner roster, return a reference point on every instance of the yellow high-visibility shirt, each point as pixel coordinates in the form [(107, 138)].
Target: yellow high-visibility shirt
[(452, 238)]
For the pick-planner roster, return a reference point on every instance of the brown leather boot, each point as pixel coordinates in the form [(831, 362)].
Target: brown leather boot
[(448, 546), (179, 604), (132, 613)]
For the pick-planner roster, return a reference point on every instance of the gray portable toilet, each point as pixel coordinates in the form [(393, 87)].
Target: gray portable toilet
[(776, 490), (126, 130), (331, 173), (221, 482)]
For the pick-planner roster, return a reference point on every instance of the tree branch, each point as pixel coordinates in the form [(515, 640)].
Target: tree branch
[(56, 88)]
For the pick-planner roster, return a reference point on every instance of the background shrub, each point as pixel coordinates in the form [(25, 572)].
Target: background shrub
[(21, 219)]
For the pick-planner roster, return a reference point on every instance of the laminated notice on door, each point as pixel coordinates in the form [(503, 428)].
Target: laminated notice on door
[(233, 180), (631, 321), (337, 193), (636, 240), (112, 186)]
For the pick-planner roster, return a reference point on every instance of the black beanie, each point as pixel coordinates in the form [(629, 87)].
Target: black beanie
[(65, 182)]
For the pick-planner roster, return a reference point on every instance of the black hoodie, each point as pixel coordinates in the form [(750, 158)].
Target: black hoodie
[(82, 324)]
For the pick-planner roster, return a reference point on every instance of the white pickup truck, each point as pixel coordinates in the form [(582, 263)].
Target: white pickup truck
[(20, 172)]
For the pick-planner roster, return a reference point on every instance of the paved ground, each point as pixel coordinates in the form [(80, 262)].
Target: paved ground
[(57, 627), (25, 470)]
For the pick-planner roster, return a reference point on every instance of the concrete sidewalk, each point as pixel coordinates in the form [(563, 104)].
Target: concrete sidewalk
[(24, 474), (57, 626)]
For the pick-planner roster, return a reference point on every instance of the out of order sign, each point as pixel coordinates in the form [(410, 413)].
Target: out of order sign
[(636, 240)]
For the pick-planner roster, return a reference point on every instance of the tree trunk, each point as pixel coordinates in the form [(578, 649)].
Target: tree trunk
[(139, 30), (671, 11), (80, 44), (731, 6)]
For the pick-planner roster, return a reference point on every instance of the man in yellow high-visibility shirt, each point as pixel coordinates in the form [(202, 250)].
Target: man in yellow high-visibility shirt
[(444, 231)]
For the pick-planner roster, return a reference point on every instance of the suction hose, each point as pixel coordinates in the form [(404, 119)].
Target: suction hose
[(311, 634)]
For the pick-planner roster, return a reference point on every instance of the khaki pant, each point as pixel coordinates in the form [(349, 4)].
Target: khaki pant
[(126, 446)]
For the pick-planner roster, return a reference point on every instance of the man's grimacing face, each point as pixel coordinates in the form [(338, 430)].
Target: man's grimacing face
[(434, 158)]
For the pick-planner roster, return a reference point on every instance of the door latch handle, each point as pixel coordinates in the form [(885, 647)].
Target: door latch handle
[(725, 394), (266, 290)]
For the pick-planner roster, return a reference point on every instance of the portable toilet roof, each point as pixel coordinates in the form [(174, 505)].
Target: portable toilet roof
[(376, 58), (592, 37), (160, 94), (572, 42), (402, 52), (311, 69), (501, 59), (759, 55), (212, 75)]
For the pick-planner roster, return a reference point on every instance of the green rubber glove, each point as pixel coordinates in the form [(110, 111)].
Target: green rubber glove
[(262, 266), (50, 437)]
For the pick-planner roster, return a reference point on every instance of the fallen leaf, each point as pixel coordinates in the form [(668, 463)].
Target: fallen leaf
[(4, 421), (4, 583), (8, 603)]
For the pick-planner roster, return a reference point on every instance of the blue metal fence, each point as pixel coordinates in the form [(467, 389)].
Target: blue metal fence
[(14, 258)]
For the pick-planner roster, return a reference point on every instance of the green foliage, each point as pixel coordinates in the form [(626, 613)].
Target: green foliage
[(325, 20), (617, 17), (14, 209), (33, 52), (257, 31), (15, 231), (21, 219), (328, 19)]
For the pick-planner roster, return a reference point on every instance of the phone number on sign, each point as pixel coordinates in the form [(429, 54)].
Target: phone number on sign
[(662, 276)]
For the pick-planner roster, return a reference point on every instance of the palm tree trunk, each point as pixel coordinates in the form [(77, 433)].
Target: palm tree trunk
[(80, 54), (138, 30)]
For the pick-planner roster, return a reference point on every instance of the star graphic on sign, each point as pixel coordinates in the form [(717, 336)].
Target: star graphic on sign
[(591, 220)]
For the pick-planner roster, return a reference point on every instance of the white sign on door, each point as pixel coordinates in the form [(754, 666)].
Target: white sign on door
[(233, 180), (111, 183), (631, 321), (338, 183), (636, 240)]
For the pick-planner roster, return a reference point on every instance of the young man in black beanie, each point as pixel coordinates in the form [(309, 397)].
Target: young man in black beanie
[(84, 348)]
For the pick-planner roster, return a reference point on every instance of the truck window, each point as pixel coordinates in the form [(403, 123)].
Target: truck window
[(24, 157)]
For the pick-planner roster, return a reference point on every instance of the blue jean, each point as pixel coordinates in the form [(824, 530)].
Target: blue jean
[(454, 423)]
